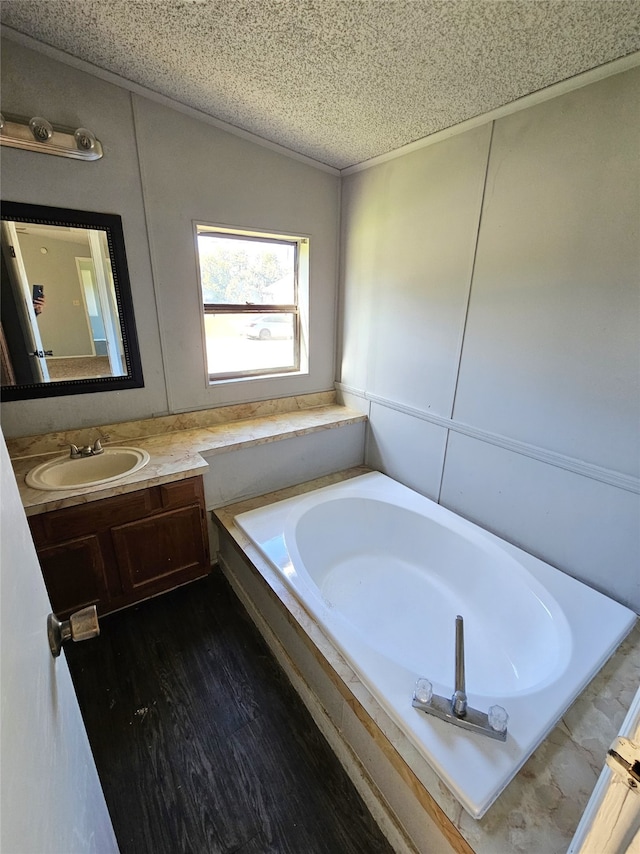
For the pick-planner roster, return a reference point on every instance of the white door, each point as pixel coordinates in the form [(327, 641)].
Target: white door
[(24, 301), (611, 821), (106, 298), (50, 796)]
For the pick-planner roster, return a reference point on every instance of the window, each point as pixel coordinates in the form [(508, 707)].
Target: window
[(253, 287)]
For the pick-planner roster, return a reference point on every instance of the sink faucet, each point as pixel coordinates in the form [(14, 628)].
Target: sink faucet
[(87, 451)]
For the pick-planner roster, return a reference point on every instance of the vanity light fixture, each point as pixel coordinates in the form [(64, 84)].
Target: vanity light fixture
[(38, 134)]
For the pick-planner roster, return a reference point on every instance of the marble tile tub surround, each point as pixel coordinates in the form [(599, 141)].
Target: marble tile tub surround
[(176, 444), (127, 431), (540, 809)]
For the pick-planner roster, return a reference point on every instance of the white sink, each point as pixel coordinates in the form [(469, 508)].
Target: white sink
[(65, 473)]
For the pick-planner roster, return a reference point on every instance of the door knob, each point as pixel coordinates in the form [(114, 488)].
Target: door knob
[(80, 626)]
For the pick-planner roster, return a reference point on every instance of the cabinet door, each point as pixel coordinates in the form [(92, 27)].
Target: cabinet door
[(74, 574), (166, 548)]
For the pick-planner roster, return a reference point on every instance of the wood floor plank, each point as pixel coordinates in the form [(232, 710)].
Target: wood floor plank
[(200, 741)]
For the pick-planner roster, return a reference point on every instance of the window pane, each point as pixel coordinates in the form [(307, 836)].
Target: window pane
[(244, 271), (249, 343)]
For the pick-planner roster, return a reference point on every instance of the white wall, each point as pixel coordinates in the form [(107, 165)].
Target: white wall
[(194, 171), (490, 314), (162, 169)]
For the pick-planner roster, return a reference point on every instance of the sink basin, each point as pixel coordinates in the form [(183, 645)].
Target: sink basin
[(65, 473)]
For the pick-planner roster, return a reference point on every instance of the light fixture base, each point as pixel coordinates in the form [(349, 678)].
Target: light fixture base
[(30, 135)]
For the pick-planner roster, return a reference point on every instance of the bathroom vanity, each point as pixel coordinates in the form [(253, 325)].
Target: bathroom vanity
[(115, 540), (119, 550)]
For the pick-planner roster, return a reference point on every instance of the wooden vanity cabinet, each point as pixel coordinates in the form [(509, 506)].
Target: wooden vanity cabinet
[(117, 551)]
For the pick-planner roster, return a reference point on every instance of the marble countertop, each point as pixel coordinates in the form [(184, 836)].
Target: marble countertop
[(165, 464), (540, 809), (178, 448)]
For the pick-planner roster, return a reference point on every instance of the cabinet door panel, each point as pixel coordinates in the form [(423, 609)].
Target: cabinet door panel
[(74, 574), (170, 543), (182, 492)]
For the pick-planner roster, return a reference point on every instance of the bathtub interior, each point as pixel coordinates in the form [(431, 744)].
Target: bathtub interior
[(384, 571), (381, 561)]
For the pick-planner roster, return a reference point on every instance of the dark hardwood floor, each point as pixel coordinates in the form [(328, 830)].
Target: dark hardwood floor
[(200, 741)]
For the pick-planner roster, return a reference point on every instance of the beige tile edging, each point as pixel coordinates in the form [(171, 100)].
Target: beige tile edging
[(127, 431)]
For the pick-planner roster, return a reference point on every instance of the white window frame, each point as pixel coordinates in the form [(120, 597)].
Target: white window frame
[(299, 308)]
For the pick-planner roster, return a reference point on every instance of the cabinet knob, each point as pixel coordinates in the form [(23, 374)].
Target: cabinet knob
[(80, 626)]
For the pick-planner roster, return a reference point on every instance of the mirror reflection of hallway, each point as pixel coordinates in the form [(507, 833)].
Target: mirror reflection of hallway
[(78, 324)]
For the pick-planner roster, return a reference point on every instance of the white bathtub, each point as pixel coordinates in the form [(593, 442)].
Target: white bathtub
[(385, 571)]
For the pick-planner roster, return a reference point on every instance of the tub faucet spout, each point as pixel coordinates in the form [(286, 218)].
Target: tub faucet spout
[(456, 711), (459, 699)]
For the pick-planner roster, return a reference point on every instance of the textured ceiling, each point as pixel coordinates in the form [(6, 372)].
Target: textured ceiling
[(340, 81)]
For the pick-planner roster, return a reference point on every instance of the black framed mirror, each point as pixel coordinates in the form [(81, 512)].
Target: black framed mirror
[(66, 315)]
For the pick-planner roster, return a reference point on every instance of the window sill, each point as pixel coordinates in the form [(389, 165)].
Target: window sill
[(213, 383)]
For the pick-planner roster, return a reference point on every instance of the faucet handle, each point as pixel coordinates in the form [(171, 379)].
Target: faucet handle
[(97, 447), (74, 451)]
